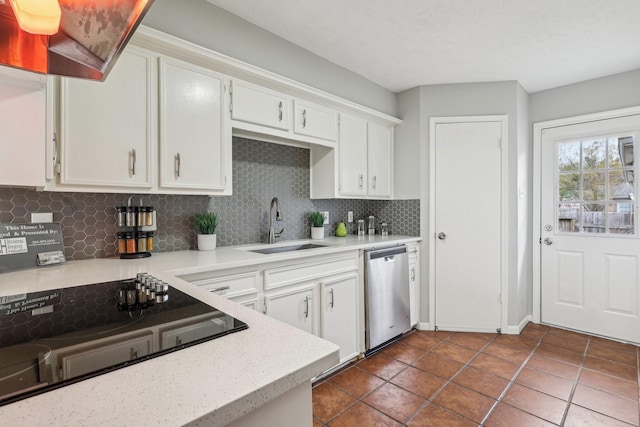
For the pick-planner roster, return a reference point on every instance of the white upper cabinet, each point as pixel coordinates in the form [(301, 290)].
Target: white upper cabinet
[(22, 128), (259, 105), (315, 121), (379, 160), (360, 167), (352, 155), (106, 127), (194, 135)]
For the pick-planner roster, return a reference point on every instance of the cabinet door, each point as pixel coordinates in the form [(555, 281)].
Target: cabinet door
[(94, 357), (293, 307), (22, 129), (379, 160), (339, 317), (315, 120), (353, 156), (259, 105), (106, 127), (414, 285), (194, 144)]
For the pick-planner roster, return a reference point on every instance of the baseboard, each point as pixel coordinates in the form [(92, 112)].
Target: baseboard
[(423, 326), (515, 330)]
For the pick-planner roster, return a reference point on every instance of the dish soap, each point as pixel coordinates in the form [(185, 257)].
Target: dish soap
[(341, 229)]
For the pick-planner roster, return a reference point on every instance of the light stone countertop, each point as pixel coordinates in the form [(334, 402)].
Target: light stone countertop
[(212, 383)]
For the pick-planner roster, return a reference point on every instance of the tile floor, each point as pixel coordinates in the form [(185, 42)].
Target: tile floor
[(543, 377)]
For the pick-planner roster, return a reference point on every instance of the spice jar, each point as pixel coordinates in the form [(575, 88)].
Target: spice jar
[(122, 245), (150, 240), (140, 215), (142, 242), (148, 215), (121, 216), (131, 217), (130, 243)]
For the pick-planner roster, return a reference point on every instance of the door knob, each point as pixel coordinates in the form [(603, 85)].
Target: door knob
[(442, 236), (547, 241)]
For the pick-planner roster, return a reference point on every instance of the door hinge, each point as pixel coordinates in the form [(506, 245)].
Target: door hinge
[(540, 240)]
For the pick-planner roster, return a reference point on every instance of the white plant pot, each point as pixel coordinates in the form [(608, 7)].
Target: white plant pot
[(317, 233), (206, 242)]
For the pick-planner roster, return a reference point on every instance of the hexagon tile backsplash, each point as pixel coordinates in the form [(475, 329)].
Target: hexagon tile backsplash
[(260, 171)]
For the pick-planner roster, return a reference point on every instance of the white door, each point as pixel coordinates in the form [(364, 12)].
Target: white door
[(590, 251), (294, 307), (468, 224)]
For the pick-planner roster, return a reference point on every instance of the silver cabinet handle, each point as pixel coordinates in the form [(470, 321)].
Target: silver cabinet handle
[(133, 354), (221, 288), (304, 118), (176, 165), (547, 241), (178, 341), (374, 181), (132, 157), (331, 301), (361, 181), (306, 307), (413, 274), (442, 236), (280, 111)]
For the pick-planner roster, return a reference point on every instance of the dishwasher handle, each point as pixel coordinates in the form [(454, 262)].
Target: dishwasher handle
[(388, 252)]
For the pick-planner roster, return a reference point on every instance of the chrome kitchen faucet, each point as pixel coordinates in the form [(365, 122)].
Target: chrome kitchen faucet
[(272, 233)]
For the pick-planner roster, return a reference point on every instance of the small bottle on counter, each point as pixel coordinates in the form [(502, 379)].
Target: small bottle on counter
[(140, 216)]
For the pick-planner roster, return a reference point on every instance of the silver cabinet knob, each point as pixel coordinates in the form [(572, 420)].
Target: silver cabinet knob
[(547, 241), (442, 236)]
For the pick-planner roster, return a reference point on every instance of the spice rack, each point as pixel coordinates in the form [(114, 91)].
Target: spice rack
[(135, 226)]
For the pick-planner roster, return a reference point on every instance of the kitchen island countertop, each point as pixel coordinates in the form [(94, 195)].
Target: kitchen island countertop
[(213, 383)]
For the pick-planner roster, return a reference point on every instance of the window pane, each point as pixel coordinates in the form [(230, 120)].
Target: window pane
[(621, 218), (593, 154), (593, 186), (568, 217), (569, 156), (619, 188), (569, 187), (593, 218), (614, 153)]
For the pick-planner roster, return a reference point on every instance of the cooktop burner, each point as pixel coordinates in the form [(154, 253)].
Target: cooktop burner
[(53, 338)]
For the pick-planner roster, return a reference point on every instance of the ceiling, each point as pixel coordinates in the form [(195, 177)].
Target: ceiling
[(401, 44)]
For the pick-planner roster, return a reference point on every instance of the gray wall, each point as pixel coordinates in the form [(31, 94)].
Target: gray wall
[(472, 99), (591, 96), (204, 24)]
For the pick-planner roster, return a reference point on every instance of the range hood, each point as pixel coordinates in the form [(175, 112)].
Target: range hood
[(91, 36)]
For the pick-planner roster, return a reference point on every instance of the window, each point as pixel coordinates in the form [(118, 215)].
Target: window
[(595, 181)]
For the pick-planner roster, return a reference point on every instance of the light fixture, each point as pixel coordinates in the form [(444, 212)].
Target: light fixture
[(37, 16)]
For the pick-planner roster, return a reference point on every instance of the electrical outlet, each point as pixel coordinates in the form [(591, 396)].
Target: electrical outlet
[(41, 217), (326, 217), (350, 216)]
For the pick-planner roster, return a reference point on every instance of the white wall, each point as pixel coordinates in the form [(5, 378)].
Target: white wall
[(202, 23)]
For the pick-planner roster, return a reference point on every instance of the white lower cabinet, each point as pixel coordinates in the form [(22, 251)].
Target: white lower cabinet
[(339, 314), (414, 283), (294, 307)]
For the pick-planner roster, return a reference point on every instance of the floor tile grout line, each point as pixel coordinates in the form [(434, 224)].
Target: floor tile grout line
[(513, 380), (575, 382)]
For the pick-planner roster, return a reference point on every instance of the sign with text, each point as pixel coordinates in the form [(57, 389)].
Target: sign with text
[(21, 244)]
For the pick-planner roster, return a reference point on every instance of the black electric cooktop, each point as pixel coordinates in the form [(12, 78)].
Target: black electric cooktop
[(53, 338)]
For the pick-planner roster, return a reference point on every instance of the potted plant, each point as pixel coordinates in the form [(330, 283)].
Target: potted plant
[(206, 224), (317, 225)]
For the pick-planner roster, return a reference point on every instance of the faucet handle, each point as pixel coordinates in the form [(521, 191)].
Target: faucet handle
[(279, 233)]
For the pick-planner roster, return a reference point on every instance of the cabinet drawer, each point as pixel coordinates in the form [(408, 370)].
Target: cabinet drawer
[(234, 285), (284, 276), (259, 105)]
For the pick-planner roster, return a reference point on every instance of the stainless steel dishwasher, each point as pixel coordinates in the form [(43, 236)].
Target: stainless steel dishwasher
[(387, 294)]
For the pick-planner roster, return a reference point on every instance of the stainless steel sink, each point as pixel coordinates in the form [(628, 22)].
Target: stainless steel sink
[(291, 248)]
